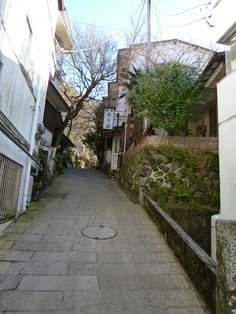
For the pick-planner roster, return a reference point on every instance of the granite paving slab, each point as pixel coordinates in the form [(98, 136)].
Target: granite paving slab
[(48, 266)]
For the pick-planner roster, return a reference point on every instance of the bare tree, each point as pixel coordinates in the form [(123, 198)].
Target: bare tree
[(93, 138), (82, 124), (135, 34), (87, 68)]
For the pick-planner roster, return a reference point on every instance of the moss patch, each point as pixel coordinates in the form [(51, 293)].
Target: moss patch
[(184, 183), (175, 177)]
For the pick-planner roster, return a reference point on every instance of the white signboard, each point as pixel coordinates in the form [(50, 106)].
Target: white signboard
[(108, 119), (114, 161)]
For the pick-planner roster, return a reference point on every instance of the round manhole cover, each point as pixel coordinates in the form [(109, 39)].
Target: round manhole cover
[(98, 232)]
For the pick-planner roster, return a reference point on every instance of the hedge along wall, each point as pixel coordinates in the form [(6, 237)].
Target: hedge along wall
[(184, 183)]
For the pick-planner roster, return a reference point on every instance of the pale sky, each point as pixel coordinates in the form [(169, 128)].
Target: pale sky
[(182, 19)]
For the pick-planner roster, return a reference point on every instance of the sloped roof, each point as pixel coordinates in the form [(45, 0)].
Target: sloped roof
[(213, 64), (55, 99), (174, 41), (63, 32)]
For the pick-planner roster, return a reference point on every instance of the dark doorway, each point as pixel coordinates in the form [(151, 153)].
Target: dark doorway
[(213, 128)]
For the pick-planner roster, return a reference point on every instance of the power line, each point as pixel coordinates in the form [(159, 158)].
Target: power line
[(173, 6), (187, 10), (140, 14), (195, 21), (142, 2), (118, 31), (205, 18), (158, 20), (136, 26), (98, 26)]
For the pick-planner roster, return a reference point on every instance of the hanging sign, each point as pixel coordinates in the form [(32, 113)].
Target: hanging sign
[(108, 119)]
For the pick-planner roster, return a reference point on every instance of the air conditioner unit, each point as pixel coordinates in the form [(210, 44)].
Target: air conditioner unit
[(43, 142), (41, 128)]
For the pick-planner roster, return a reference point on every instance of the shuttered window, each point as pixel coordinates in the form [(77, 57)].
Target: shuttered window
[(10, 179)]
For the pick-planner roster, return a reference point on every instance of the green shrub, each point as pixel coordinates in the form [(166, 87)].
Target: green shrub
[(59, 163)]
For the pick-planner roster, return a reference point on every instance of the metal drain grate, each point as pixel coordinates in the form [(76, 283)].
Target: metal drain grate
[(99, 232)]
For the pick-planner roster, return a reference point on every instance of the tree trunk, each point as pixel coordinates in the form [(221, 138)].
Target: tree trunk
[(69, 117)]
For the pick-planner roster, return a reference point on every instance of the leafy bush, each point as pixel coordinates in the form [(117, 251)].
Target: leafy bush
[(59, 163), (167, 95)]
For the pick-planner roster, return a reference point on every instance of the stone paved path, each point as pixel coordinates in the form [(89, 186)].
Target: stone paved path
[(47, 266)]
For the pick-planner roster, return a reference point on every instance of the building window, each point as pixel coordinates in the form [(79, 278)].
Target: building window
[(26, 43), (29, 55)]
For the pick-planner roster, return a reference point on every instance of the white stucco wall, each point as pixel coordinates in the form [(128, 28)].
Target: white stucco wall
[(17, 98), (28, 59), (171, 50), (224, 15), (48, 136), (225, 21), (227, 144)]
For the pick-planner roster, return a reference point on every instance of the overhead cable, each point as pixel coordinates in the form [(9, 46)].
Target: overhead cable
[(195, 21), (187, 10)]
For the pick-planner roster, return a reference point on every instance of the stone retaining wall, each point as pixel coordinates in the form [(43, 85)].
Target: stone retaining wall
[(175, 178), (197, 263)]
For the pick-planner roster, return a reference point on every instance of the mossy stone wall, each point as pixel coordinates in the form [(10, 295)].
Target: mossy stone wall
[(184, 183)]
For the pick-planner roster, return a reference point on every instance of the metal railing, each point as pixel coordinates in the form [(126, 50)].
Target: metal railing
[(10, 180)]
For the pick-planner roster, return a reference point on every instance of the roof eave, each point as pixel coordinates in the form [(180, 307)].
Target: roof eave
[(55, 99), (63, 33)]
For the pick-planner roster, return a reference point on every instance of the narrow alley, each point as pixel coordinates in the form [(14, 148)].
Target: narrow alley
[(53, 259)]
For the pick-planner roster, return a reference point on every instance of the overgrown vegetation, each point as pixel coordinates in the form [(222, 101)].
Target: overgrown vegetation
[(167, 95), (174, 177), (59, 163), (44, 177)]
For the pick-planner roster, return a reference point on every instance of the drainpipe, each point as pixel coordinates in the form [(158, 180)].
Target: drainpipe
[(33, 130)]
